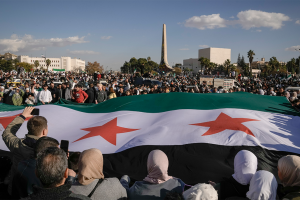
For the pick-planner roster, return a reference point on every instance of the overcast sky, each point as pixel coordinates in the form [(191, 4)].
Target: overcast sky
[(111, 32)]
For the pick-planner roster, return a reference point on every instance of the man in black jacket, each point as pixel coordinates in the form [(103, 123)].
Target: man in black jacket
[(91, 93), (52, 171)]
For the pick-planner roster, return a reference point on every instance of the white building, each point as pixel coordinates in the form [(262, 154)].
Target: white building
[(66, 63), (215, 55), (191, 63)]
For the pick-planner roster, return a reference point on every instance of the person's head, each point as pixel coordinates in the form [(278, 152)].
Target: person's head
[(111, 90), (52, 167), (201, 191), (73, 161), (90, 166), (157, 166), (77, 88), (43, 143), (281, 90), (289, 170), (17, 91), (91, 85), (45, 87), (37, 126), (245, 165), (121, 90), (127, 93), (59, 86), (263, 185), (64, 86), (100, 86)]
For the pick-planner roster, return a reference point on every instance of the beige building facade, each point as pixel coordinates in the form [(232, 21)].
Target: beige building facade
[(215, 55)]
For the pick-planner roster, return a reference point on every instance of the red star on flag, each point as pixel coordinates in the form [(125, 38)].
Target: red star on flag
[(224, 122), (107, 131), (6, 120)]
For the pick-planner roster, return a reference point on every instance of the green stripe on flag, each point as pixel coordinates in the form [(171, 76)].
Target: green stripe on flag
[(156, 103)]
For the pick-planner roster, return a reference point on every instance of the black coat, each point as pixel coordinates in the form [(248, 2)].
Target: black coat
[(62, 192), (229, 187), (91, 98)]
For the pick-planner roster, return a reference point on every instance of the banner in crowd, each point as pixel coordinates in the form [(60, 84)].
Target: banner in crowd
[(200, 133)]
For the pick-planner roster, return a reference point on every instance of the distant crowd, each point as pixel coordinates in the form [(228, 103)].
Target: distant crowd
[(43, 88)]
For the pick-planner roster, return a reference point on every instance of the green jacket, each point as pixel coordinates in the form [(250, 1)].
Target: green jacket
[(290, 193), (17, 100), (20, 151)]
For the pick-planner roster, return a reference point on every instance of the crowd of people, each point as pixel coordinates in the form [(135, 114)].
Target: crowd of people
[(43, 88), (41, 170)]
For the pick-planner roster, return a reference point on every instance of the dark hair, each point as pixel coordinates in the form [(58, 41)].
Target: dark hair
[(45, 85), (36, 125), (43, 143), (51, 165), (111, 90), (73, 161), (173, 196)]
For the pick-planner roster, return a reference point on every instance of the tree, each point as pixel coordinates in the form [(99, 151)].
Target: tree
[(244, 66), (267, 69), (93, 67), (274, 64), (6, 65), (291, 65), (148, 58), (227, 64), (28, 67), (133, 64), (210, 66), (36, 64), (238, 62), (14, 62), (232, 67), (250, 56), (126, 67), (178, 71), (48, 62), (141, 64), (204, 62)]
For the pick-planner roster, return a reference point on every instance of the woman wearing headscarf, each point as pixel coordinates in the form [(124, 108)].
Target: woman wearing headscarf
[(289, 175), (91, 181), (157, 183), (245, 165), (263, 186)]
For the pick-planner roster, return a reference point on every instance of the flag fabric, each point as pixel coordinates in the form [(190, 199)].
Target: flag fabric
[(43, 56), (134, 71), (200, 133)]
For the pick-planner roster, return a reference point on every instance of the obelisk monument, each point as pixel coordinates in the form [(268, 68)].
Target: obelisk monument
[(164, 65)]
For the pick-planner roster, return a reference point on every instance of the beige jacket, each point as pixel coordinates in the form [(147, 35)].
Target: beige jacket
[(19, 150)]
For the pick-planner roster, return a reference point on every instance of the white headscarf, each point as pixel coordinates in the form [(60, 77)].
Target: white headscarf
[(245, 165), (263, 186), (201, 191)]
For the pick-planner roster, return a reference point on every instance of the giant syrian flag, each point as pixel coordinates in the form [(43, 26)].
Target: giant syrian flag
[(200, 133)]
